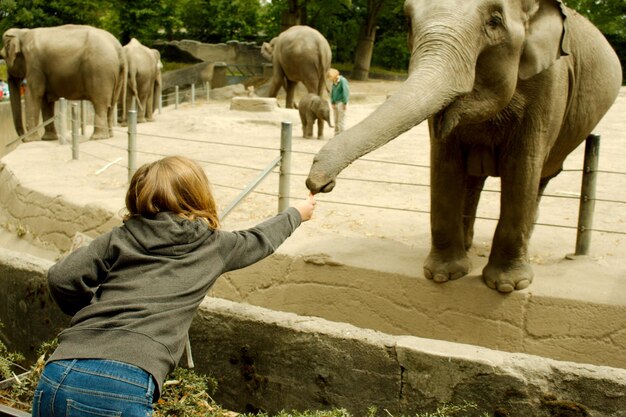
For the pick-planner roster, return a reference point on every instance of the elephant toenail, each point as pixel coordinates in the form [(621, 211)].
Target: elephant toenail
[(505, 288)]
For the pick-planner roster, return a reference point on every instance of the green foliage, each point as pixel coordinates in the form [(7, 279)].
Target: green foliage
[(217, 21), (188, 394), (43, 13), (20, 394)]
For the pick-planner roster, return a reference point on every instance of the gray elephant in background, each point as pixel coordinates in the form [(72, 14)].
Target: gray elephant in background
[(509, 88), (144, 79), (75, 62), (299, 54), (311, 108)]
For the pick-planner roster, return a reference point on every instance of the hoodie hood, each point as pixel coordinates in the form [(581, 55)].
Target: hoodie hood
[(168, 234)]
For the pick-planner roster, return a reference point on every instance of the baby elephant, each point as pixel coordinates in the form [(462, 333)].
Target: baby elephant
[(312, 107)]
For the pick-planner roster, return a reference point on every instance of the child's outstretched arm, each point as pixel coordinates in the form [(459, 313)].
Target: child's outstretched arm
[(306, 207)]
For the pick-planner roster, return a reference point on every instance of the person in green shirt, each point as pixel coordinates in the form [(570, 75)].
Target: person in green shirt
[(339, 97)]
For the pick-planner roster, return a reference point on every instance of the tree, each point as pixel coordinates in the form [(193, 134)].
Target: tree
[(367, 36), (45, 13), (221, 20)]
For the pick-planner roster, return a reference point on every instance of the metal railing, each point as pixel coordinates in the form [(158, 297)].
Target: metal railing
[(587, 198)]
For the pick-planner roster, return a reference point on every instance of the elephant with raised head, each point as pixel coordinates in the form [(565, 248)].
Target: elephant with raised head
[(509, 88), (311, 108), (72, 61), (144, 79), (299, 54)]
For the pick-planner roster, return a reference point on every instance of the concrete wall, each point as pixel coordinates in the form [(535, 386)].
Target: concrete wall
[(269, 360), (7, 129), (584, 325), (233, 52)]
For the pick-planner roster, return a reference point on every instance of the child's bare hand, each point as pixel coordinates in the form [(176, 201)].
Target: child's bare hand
[(306, 207)]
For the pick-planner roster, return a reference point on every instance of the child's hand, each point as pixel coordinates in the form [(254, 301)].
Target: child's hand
[(306, 207)]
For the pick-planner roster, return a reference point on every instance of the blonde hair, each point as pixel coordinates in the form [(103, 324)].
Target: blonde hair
[(176, 184), (332, 74)]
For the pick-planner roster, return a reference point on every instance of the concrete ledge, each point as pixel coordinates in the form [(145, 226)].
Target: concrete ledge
[(579, 322), (27, 311), (255, 104), (269, 360)]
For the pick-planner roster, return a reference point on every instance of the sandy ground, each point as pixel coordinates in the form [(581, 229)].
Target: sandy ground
[(235, 146)]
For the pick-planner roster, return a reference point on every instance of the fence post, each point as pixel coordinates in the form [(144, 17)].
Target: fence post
[(75, 127), (207, 90), (193, 94), (132, 143), (83, 117), (285, 166), (62, 121), (160, 101), (587, 195), (176, 97), (114, 115)]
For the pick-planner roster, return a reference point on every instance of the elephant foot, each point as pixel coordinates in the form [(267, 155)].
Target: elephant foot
[(47, 136), (320, 137), (31, 138), (506, 280), (445, 270), (99, 135)]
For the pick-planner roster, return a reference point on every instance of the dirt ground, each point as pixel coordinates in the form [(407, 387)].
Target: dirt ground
[(235, 146)]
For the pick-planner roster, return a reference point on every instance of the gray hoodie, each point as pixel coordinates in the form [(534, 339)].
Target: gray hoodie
[(134, 291)]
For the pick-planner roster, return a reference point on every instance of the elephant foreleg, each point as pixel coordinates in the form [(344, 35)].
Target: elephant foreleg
[(509, 268), (309, 126), (47, 112), (447, 259), (472, 196), (33, 113), (320, 128)]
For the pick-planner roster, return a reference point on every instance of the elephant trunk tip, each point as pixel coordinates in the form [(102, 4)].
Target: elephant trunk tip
[(316, 186)]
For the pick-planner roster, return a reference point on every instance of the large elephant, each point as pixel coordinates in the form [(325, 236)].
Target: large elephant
[(144, 79), (509, 89), (311, 108), (299, 54), (72, 61)]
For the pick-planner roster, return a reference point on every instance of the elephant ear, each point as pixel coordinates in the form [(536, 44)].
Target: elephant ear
[(315, 104), (267, 50), (546, 37), (12, 46)]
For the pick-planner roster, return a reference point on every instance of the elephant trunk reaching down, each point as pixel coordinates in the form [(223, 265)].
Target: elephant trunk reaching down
[(427, 90)]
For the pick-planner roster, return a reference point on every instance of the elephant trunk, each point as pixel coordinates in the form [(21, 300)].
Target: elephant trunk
[(16, 104), (431, 86)]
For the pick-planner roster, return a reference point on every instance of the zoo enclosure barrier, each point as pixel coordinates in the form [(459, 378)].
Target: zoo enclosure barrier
[(587, 198)]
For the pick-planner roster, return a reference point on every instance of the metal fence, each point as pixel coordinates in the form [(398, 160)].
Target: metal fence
[(586, 200)]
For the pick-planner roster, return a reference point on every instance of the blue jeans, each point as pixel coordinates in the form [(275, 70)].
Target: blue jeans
[(93, 387)]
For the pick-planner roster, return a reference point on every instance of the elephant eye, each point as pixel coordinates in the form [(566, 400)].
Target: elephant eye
[(494, 21)]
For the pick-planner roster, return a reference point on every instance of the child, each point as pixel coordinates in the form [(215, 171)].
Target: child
[(339, 97), (134, 291)]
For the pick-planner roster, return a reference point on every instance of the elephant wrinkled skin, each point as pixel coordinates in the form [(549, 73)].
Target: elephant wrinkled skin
[(75, 62), (299, 54), (144, 79), (509, 89), (311, 108)]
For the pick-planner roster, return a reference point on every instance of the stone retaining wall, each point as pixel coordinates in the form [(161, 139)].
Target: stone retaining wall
[(269, 360)]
